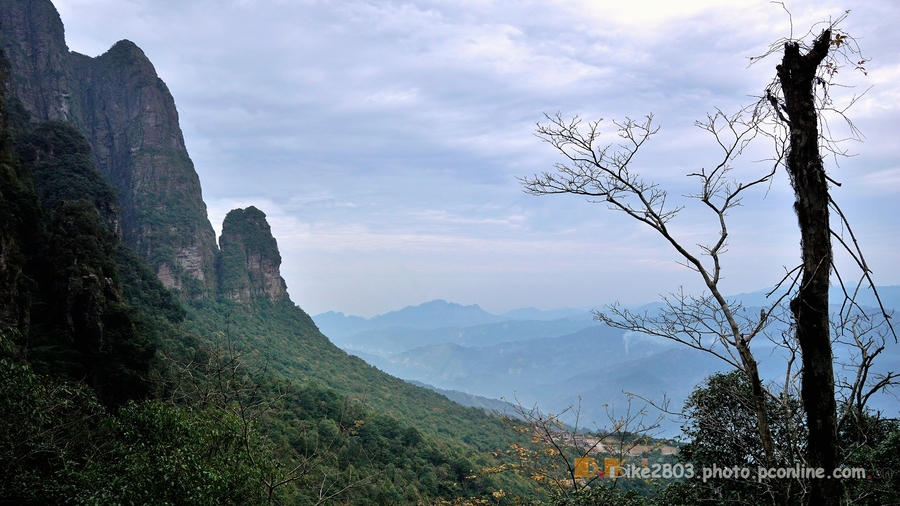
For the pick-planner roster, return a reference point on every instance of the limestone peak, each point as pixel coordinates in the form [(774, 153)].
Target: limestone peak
[(249, 262)]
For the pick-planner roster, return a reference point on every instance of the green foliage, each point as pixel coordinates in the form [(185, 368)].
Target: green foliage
[(81, 326), (364, 421), (87, 308), (162, 454), (58, 445), (158, 314), (59, 159), (20, 223), (45, 426), (603, 495), (94, 414), (245, 234), (332, 446), (294, 348), (722, 425), (875, 447), (722, 430), (251, 230)]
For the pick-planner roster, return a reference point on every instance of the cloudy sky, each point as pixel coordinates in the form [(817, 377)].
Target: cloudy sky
[(383, 139)]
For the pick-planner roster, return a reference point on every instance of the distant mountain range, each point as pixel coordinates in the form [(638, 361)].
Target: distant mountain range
[(554, 359), (117, 303), (436, 314)]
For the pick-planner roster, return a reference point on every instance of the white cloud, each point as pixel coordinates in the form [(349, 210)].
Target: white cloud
[(883, 181), (381, 138)]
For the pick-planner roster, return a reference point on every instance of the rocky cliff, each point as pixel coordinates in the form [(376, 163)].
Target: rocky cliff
[(18, 214), (128, 115), (249, 263), (62, 299)]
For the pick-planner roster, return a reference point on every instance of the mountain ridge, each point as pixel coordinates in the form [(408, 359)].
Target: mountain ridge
[(231, 298), (128, 115), (433, 315), (595, 363)]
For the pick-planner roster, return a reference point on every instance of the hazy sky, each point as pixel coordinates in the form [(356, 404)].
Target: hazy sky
[(383, 139)]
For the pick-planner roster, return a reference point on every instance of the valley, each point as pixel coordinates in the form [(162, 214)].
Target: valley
[(551, 359), (147, 357)]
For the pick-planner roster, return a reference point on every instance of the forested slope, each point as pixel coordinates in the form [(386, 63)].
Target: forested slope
[(113, 390)]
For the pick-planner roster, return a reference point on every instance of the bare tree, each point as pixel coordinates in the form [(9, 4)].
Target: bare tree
[(231, 379), (798, 97), (788, 116), (866, 337), (709, 322), (553, 449)]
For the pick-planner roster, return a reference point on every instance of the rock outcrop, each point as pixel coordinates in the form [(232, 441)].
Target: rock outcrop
[(33, 40), (18, 215), (128, 115), (62, 301), (249, 262)]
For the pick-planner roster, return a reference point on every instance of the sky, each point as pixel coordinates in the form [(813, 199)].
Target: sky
[(384, 139)]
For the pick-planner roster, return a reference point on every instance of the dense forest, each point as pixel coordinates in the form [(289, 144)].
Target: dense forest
[(114, 390), (141, 363)]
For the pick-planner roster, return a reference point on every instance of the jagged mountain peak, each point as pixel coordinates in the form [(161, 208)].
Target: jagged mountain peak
[(249, 261), (437, 313), (141, 153), (126, 45)]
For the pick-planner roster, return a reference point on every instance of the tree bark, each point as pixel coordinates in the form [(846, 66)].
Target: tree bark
[(797, 75)]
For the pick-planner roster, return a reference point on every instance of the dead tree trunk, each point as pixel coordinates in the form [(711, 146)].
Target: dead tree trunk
[(798, 77)]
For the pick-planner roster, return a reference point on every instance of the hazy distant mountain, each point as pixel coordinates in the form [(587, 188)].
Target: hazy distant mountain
[(337, 324), (597, 365), (436, 314), (551, 359), (432, 315), (890, 297), (552, 362), (670, 375), (474, 401), (501, 369), (392, 340), (530, 313)]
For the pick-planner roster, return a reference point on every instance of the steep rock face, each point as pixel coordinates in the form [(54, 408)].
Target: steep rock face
[(18, 214), (60, 282), (33, 40), (249, 262), (130, 117), (127, 113)]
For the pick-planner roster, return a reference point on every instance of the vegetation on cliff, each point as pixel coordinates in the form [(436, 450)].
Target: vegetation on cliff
[(113, 390), (249, 261), (162, 214), (140, 364)]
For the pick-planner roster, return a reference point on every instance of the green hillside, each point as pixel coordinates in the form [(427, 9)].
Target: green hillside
[(294, 348), (141, 363), (113, 391)]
